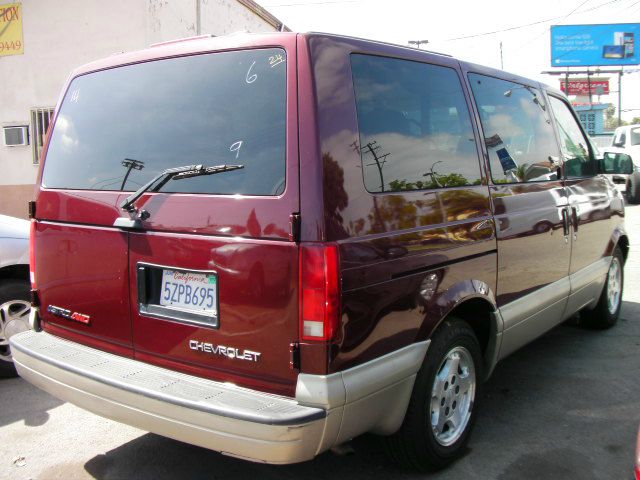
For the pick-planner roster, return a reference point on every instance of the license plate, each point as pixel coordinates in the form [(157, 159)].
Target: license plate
[(189, 291)]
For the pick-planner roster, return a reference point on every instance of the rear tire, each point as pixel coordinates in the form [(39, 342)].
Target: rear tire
[(606, 312), (633, 188), (14, 318), (442, 408)]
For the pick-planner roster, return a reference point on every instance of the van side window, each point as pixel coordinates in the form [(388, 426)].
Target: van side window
[(415, 127), (517, 130), (574, 146)]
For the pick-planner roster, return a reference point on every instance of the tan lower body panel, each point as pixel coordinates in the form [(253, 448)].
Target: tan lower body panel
[(252, 441)]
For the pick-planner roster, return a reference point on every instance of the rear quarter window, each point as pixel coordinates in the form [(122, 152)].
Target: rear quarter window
[(118, 128), (415, 127)]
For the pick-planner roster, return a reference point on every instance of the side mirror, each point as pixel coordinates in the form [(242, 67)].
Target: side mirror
[(616, 163)]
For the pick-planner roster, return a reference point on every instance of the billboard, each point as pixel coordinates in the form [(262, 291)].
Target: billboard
[(11, 29), (594, 45), (580, 86)]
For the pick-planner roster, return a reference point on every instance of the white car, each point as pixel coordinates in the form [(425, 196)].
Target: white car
[(626, 148), (14, 286), (627, 138)]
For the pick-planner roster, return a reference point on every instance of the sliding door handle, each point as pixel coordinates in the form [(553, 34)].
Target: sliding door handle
[(574, 218), (565, 221)]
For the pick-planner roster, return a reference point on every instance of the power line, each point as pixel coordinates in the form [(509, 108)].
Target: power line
[(575, 9), (525, 25), (627, 7), (635, 10), (547, 29)]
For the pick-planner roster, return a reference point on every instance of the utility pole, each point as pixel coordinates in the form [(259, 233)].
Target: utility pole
[(620, 96), (130, 164), (198, 18), (589, 87), (372, 148), (417, 43), (501, 58)]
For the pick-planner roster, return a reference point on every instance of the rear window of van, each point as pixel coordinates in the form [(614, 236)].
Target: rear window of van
[(119, 128)]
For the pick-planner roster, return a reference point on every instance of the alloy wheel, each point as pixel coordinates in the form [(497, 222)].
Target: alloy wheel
[(14, 318), (452, 396), (614, 286)]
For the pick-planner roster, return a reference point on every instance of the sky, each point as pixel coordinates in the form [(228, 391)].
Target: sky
[(522, 27)]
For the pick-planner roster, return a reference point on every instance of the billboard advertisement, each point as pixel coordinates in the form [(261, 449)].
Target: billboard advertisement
[(11, 29), (594, 45), (580, 86)]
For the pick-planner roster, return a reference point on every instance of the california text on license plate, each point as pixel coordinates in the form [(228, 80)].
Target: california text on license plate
[(189, 291)]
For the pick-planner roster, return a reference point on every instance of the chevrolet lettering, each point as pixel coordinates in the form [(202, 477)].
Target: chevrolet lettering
[(229, 352)]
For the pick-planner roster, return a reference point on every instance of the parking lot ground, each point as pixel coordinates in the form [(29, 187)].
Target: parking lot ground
[(566, 406)]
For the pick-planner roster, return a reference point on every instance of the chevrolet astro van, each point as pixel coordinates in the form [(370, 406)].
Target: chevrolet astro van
[(267, 245)]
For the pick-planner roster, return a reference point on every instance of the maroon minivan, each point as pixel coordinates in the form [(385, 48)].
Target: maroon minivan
[(267, 245)]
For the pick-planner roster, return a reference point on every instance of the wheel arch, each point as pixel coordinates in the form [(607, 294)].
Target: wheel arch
[(483, 316), (18, 272), (620, 239)]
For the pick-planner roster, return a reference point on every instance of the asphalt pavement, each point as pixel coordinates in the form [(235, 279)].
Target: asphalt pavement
[(567, 406)]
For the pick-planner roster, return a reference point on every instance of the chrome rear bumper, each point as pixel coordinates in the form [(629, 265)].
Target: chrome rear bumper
[(235, 421), (256, 426)]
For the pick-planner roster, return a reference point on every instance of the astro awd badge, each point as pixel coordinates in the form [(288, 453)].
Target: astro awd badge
[(69, 315)]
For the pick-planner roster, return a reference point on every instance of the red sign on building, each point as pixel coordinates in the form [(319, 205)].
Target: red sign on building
[(580, 86)]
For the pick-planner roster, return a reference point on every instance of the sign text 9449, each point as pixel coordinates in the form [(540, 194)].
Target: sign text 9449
[(13, 45)]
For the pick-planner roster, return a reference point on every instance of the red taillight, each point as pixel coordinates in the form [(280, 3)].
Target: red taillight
[(32, 255), (320, 292)]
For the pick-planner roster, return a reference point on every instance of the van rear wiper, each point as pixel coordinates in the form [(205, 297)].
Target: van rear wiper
[(177, 173), (156, 183)]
